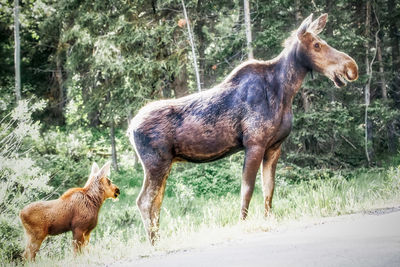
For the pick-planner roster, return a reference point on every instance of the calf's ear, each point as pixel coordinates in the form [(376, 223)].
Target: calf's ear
[(95, 169), (105, 170), (92, 175)]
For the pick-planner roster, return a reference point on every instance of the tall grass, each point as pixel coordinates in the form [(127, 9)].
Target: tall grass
[(190, 221)]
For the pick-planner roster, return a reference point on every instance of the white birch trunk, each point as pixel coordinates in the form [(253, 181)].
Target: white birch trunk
[(247, 22), (196, 69), (17, 57)]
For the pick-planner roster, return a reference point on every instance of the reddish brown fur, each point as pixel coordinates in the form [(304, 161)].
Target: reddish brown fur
[(250, 110), (72, 191), (76, 210)]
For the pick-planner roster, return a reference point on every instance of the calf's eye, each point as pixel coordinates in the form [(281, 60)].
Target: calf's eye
[(317, 45)]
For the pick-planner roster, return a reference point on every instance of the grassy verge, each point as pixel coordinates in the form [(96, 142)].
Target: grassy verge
[(191, 221)]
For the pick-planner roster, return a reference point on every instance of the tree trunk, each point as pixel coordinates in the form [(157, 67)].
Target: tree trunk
[(329, 32), (368, 125), (247, 22), (94, 114), (94, 118), (395, 48), (394, 37), (112, 133), (113, 148), (391, 132), (381, 71), (17, 57), (196, 70), (304, 99), (198, 29), (58, 101)]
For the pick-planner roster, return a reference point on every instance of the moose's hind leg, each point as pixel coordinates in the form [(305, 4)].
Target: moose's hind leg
[(155, 152), (151, 196), (268, 176)]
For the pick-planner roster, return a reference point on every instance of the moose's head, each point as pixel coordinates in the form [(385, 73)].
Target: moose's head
[(98, 180), (315, 54)]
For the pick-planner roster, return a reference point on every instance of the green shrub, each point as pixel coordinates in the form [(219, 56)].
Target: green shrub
[(217, 178), (21, 180)]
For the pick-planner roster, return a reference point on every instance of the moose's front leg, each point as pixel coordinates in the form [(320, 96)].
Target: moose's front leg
[(252, 161), (268, 175)]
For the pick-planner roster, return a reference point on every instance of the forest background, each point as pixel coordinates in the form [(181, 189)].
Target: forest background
[(87, 67)]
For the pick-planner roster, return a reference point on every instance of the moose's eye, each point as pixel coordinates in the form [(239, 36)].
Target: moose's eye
[(317, 45)]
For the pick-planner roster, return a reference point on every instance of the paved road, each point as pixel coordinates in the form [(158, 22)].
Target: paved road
[(371, 239)]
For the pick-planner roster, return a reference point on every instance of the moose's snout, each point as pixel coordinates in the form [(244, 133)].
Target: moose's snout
[(351, 70), (117, 192)]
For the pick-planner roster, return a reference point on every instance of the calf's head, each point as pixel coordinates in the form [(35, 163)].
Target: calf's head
[(315, 54), (99, 178)]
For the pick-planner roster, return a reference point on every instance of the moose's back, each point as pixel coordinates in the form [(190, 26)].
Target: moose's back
[(205, 126)]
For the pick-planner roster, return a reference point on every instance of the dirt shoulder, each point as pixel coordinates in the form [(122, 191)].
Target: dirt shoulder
[(368, 239)]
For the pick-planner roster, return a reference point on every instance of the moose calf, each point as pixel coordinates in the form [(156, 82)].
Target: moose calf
[(76, 210)]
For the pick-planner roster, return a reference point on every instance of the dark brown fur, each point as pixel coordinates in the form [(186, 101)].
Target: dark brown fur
[(250, 110), (76, 210)]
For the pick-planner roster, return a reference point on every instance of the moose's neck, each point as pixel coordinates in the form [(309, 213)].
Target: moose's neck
[(290, 72), (95, 196)]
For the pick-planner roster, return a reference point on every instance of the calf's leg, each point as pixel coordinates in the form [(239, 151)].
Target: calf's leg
[(87, 238), (252, 162), (34, 241), (34, 234), (268, 175), (78, 236)]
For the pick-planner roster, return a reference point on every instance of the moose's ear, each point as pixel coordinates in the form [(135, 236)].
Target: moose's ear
[(93, 172), (318, 25), (304, 26), (95, 169), (105, 170)]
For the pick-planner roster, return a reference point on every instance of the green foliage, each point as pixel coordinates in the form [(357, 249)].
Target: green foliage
[(324, 137), (68, 156), (383, 116), (293, 174), (210, 179), (21, 180), (10, 246)]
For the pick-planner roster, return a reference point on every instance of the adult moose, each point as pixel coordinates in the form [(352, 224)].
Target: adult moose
[(250, 110)]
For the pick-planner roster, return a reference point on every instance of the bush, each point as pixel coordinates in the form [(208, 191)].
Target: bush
[(68, 154), (325, 137), (21, 181), (217, 178)]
